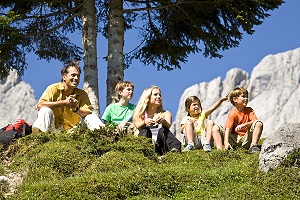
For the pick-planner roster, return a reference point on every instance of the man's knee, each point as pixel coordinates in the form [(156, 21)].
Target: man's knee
[(46, 111), (44, 120), (93, 121)]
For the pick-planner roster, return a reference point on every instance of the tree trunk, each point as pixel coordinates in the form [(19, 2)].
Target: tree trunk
[(115, 58), (89, 35)]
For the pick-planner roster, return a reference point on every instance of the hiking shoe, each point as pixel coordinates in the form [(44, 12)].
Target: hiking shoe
[(254, 149), (36, 130), (206, 147), (188, 148)]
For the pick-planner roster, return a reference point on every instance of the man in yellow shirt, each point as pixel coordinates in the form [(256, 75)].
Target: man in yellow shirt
[(62, 104)]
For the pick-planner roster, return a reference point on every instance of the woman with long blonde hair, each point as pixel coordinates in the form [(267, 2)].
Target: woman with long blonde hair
[(153, 121)]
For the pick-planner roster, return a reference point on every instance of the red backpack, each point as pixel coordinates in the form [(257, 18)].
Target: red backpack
[(19, 125), (18, 129)]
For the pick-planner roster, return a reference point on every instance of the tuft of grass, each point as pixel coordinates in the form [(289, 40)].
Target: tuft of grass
[(293, 159), (103, 164)]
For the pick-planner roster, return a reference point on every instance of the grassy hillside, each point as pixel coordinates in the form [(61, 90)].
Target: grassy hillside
[(102, 165)]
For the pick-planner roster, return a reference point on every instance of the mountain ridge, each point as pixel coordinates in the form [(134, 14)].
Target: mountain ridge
[(273, 86)]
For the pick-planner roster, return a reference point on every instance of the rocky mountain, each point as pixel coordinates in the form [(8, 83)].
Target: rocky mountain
[(274, 92), (17, 100)]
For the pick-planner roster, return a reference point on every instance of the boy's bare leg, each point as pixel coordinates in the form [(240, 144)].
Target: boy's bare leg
[(257, 132)]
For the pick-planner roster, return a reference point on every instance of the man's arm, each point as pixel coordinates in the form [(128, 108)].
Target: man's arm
[(69, 102), (82, 113), (83, 107)]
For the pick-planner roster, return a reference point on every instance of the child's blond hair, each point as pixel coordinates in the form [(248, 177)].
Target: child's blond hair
[(236, 92)]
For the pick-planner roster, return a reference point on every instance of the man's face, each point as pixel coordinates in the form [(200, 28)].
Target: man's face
[(72, 78)]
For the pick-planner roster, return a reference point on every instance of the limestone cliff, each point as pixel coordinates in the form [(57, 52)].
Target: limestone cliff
[(274, 91), (17, 100)]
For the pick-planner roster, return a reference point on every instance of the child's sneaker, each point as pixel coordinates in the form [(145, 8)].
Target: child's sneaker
[(188, 148), (254, 149), (207, 147)]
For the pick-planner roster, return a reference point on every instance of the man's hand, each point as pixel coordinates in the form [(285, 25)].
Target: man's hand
[(71, 102)]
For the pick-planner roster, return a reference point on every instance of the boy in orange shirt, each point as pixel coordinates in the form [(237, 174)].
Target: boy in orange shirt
[(242, 127)]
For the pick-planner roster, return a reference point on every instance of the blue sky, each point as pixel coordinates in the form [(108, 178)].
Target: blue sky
[(278, 33)]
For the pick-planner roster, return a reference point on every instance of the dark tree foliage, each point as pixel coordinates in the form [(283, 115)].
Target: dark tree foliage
[(169, 29), (174, 29), (40, 27)]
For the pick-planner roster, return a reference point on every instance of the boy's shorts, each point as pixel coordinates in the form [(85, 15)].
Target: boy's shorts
[(200, 140), (243, 141)]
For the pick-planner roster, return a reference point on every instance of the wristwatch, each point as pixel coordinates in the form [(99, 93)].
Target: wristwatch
[(74, 111)]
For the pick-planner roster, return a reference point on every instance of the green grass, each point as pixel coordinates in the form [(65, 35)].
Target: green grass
[(103, 165)]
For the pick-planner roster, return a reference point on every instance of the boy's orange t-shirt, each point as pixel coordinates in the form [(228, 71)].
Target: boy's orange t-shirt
[(236, 118)]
